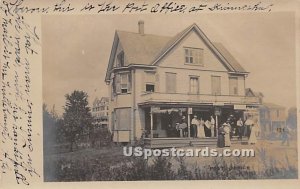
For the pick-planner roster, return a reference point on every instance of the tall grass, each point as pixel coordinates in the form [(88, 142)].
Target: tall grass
[(166, 168)]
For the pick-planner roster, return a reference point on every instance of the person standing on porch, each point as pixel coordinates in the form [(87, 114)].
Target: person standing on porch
[(201, 133), (184, 126), (248, 124), (221, 140), (252, 138), (227, 131), (212, 123), (207, 128), (181, 127), (195, 123), (240, 126)]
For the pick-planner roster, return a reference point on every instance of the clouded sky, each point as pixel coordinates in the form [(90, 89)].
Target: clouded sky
[(76, 50)]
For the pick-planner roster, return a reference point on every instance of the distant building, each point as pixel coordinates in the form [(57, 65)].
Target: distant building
[(100, 111), (272, 118)]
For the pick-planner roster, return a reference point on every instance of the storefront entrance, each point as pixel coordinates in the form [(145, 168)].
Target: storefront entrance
[(174, 122)]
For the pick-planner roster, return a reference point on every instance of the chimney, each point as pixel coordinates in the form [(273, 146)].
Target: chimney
[(141, 27)]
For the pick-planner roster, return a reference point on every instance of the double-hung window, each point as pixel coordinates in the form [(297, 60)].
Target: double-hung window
[(193, 56), (122, 83), (150, 81)]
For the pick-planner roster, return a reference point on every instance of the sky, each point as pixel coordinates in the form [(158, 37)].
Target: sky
[(76, 49)]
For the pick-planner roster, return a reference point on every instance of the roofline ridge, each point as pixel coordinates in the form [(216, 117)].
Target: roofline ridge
[(143, 34)]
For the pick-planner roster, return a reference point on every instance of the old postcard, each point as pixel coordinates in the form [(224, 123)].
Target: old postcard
[(183, 93)]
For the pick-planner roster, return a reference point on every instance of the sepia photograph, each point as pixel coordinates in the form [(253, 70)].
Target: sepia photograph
[(172, 97)]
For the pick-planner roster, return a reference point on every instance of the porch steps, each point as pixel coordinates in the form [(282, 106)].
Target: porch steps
[(186, 142), (235, 140), (203, 142)]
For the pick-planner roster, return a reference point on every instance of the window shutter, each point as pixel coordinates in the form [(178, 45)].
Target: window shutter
[(233, 86), (216, 85), (129, 81), (168, 86), (171, 82), (156, 82), (123, 119), (143, 86), (118, 83)]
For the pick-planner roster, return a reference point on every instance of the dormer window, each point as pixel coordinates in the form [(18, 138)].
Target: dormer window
[(193, 56), (120, 59)]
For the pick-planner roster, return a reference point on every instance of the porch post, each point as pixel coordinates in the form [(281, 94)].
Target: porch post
[(271, 126), (151, 124), (217, 128), (189, 123)]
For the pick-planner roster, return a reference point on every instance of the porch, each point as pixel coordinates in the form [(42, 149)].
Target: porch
[(162, 131), (173, 122)]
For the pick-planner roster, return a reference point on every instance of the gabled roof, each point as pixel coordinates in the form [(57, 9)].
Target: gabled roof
[(95, 101), (229, 58), (104, 99), (141, 49), (249, 92), (147, 49), (98, 102), (259, 94)]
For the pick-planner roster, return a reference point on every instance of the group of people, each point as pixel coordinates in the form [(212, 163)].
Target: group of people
[(247, 128), (207, 128), (201, 128)]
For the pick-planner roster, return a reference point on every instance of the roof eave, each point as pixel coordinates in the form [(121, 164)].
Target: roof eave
[(239, 73), (111, 57)]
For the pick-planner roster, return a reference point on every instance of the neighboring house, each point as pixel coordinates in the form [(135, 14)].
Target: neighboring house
[(100, 111), (254, 112), (272, 119), (259, 95), (155, 80)]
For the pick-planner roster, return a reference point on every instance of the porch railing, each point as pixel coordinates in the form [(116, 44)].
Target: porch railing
[(197, 98)]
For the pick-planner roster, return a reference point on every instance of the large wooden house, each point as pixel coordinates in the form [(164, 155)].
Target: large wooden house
[(153, 79)]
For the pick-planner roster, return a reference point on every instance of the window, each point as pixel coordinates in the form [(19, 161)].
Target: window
[(216, 85), (193, 56), (150, 81), (120, 59), (122, 83), (194, 85), (233, 86), (150, 87), (277, 113), (170, 82)]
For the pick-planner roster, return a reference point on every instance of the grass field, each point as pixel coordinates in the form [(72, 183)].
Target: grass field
[(271, 161)]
